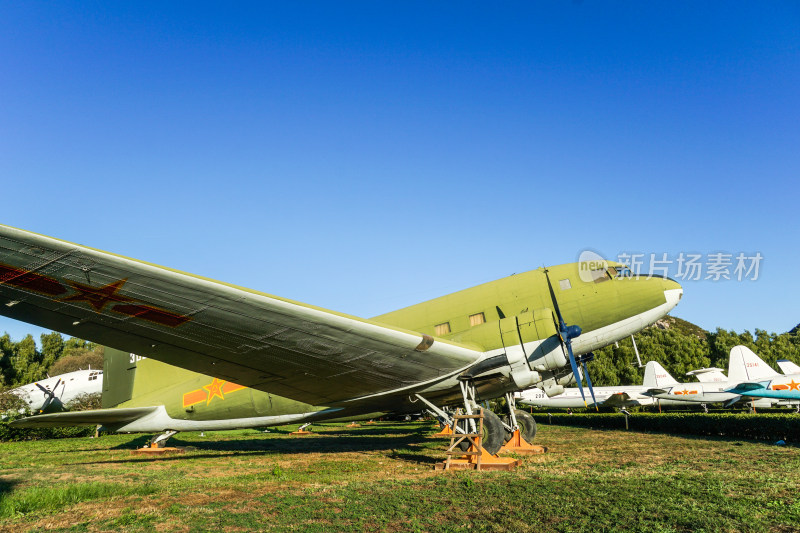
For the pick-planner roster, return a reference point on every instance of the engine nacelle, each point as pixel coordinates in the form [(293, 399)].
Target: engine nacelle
[(551, 388), (548, 355), (524, 378)]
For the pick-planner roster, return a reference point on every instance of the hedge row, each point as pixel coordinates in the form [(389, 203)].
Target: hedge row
[(772, 427), (8, 433)]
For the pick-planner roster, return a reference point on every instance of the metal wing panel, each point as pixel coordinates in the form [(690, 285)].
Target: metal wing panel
[(84, 418), (260, 341)]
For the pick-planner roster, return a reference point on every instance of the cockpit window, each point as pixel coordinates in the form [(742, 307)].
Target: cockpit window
[(599, 275), (622, 272)]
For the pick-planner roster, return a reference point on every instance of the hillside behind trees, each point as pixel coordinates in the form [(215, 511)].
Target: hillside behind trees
[(678, 345)]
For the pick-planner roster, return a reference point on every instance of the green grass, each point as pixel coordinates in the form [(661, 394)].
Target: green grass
[(60, 495), (380, 478)]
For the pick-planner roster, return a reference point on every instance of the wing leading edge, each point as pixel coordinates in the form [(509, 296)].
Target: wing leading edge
[(114, 416), (257, 340)]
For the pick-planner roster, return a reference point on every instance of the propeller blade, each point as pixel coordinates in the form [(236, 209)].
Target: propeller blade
[(47, 392), (589, 383), (566, 334), (561, 323), (575, 372)]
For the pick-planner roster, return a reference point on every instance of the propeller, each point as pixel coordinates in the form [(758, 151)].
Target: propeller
[(50, 395), (566, 334)]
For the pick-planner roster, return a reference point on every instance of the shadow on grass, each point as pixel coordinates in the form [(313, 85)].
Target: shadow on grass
[(6, 486), (372, 438)]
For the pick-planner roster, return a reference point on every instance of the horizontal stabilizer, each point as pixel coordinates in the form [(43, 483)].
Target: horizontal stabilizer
[(84, 418), (788, 367), (708, 375)]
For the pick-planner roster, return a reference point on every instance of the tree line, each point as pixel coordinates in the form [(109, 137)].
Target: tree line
[(681, 346), (24, 362)]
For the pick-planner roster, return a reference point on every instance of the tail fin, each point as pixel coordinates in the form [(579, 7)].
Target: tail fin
[(119, 371), (744, 365), (708, 375), (788, 367), (655, 376)]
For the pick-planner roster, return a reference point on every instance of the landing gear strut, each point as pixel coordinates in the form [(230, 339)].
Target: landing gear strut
[(160, 441), (493, 435), (518, 419)]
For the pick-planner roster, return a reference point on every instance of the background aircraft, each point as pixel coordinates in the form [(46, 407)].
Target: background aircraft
[(618, 396), (784, 388), (655, 376), (788, 367), (708, 375), (743, 366), (482, 342), (52, 394)]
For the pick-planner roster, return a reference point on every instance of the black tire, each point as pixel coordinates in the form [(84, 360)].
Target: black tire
[(493, 433), (527, 425)]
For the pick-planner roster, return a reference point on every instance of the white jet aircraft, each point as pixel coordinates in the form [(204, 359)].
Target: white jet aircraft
[(781, 390), (52, 394), (619, 396), (743, 366)]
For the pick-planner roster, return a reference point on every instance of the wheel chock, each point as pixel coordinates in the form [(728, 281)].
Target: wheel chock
[(471, 461), (519, 445), (353, 425), (445, 432), (301, 432), (153, 449)]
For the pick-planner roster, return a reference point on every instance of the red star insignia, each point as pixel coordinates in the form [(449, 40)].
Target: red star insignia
[(215, 389), (793, 385), (97, 297)]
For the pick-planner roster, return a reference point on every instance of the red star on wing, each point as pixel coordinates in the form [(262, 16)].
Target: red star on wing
[(97, 297)]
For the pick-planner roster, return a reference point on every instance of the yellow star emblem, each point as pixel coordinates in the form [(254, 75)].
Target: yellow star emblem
[(215, 389)]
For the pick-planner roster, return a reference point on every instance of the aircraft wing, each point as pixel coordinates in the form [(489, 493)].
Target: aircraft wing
[(654, 392), (748, 386), (84, 418), (268, 343), (753, 389)]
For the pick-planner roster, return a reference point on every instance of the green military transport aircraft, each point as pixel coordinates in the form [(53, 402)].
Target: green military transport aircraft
[(529, 329)]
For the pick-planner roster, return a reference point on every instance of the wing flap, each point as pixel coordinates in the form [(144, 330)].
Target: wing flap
[(260, 341)]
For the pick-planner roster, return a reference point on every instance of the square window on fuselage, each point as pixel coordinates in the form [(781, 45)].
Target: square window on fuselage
[(477, 319), (442, 329)]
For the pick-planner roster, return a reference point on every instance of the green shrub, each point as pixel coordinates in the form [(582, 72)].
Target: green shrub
[(748, 426)]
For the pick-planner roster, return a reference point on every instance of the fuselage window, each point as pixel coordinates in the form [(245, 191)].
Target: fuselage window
[(442, 329), (600, 275), (564, 284), (477, 319)]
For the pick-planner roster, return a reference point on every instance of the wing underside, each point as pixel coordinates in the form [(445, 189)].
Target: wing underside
[(254, 339), (114, 416)]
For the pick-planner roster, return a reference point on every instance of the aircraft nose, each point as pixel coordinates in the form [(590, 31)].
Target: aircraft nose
[(673, 291)]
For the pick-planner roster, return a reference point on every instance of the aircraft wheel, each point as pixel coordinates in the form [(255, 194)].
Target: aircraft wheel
[(527, 425), (493, 433)]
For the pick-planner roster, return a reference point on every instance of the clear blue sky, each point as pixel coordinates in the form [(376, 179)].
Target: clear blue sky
[(367, 156)]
